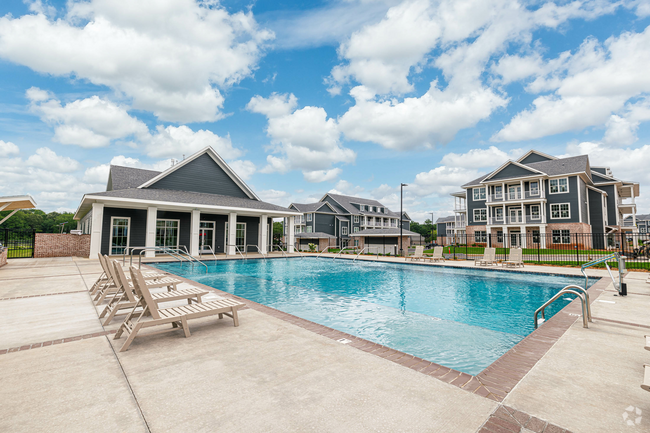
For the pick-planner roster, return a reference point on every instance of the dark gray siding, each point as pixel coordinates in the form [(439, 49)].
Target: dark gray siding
[(512, 171), (252, 231), (441, 229), (184, 231), (406, 225), (376, 240), (601, 170), (335, 205), (583, 200), (219, 230), (597, 178), (471, 205), (533, 157), (611, 203), (325, 224), (596, 211), (570, 197), (138, 229), (201, 175)]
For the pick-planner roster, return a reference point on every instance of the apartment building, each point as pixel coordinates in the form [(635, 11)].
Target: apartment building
[(542, 199)]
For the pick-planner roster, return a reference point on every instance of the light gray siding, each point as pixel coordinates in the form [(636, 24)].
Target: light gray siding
[(513, 171)]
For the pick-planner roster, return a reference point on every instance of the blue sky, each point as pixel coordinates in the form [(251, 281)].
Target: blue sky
[(353, 96)]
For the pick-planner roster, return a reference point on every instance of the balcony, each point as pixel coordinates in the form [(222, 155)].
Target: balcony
[(460, 207), (515, 196), (517, 220)]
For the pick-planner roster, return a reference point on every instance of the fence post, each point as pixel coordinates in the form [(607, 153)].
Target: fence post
[(539, 241), (577, 250)]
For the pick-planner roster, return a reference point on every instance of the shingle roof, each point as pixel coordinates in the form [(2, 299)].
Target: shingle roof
[(309, 207), (446, 219), (644, 217), (314, 235), (384, 232), (194, 198), (574, 164), (475, 182), (129, 177), (346, 202)]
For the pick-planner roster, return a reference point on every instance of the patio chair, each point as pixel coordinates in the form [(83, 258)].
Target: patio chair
[(646, 377), (176, 316), (125, 298), (516, 258), (418, 254), (153, 281), (105, 277), (647, 342), (489, 258), (437, 254)]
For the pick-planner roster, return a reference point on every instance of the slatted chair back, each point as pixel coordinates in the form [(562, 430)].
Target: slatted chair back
[(419, 251), (516, 255), (490, 255), (110, 270), (122, 282), (143, 293), (437, 252), (103, 263)]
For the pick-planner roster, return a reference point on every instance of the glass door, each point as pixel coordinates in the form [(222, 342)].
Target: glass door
[(240, 236), (516, 216), (514, 192), (167, 233), (119, 235), (206, 237), (515, 239)]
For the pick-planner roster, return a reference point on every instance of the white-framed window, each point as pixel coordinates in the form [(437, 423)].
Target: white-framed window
[(120, 227), (535, 236), (356, 219), (534, 212), (309, 217), (356, 229), (381, 210), (479, 193), (240, 235), (344, 230), (356, 242), (534, 188), (643, 229), (560, 211), (500, 236), (480, 215), (480, 236), (308, 229), (561, 237), (167, 233), (559, 185), (498, 192), (498, 214)]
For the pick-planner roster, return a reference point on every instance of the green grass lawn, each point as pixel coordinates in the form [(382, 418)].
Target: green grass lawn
[(541, 251), (19, 252)]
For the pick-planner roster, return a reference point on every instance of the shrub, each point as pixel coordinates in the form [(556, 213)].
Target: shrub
[(312, 248)]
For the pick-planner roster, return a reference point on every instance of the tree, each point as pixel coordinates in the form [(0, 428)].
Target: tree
[(34, 219), (426, 229), (278, 232)]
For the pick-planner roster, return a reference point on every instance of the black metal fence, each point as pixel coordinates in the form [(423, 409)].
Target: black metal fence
[(559, 247), (19, 243)]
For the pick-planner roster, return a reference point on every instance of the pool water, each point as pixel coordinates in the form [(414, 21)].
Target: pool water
[(460, 318)]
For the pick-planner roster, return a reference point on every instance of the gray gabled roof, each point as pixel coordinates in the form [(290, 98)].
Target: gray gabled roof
[(446, 219), (557, 167), (128, 177), (194, 198), (312, 207), (314, 235), (475, 182), (643, 217), (384, 232), (346, 202)]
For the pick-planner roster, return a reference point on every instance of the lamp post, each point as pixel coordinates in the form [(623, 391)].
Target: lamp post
[(401, 216), (431, 227)]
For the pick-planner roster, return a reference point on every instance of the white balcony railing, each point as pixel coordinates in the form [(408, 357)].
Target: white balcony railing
[(519, 219), (515, 196)]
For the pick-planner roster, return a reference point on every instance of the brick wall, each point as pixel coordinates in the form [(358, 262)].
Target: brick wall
[(3, 257), (61, 245)]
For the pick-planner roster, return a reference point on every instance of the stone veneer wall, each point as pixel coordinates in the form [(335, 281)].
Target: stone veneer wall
[(3, 257), (61, 245)]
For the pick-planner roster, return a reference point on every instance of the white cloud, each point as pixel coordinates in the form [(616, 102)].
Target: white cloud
[(590, 86), (304, 138), (244, 169), (47, 159), (442, 181), (433, 118), (7, 148), (281, 198), (344, 187), (170, 57), (478, 158), (175, 141), (89, 123)]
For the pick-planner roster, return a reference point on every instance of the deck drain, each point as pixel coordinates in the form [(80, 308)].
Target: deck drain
[(344, 341)]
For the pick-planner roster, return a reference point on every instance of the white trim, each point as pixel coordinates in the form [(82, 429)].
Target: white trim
[(538, 153), (356, 219), (539, 212), (128, 234), (479, 220), (214, 232), (560, 230), (597, 190), (484, 188), (525, 167), (309, 217), (550, 187), (560, 211), (227, 226), (178, 235), (182, 206), (220, 162)]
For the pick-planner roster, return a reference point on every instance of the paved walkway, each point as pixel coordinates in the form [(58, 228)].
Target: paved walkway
[(60, 371)]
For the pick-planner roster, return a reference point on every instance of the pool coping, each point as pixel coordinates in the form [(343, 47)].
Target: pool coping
[(494, 382)]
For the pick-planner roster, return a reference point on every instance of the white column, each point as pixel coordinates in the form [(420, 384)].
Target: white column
[(264, 221), (523, 236), (96, 233), (292, 237), (542, 237), (232, 234), (150, 234), (194, 232)]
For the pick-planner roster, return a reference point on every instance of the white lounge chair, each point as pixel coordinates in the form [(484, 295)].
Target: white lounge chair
[(489, 258), (437, 254), (177, 316), (516, 258), (646, 377), (105, 282), (418, 254), (125, 298)]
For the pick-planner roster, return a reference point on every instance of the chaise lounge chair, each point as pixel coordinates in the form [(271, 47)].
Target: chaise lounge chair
[(105, 278), (125, 298), (418, 254), (489, 258), (112, 287), (177, 316), (646, 377), (516, 258), (437, 254)]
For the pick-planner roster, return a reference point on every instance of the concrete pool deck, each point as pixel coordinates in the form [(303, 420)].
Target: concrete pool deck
[(61, 371)]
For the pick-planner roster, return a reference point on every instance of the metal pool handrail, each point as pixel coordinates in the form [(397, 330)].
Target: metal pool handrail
[(564, 291), (360, 252), (327, 248), (605, 259), (281, 250), (343, 249), (302, 256), (258, 250), (212, 251)]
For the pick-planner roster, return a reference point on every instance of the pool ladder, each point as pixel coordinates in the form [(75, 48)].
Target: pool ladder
[(572, 289)]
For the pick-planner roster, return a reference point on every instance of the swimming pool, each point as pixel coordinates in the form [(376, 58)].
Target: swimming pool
[(460, 318)]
